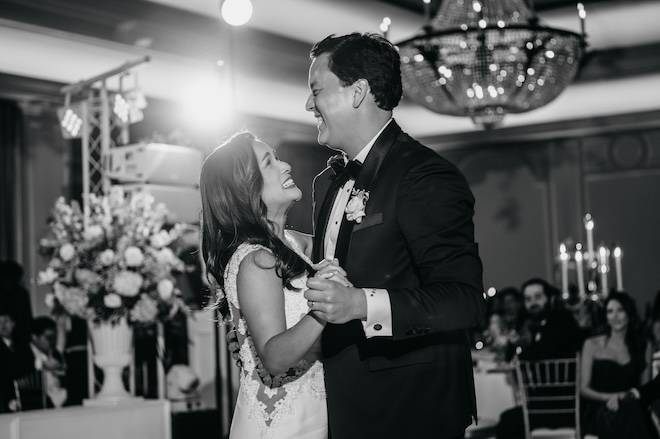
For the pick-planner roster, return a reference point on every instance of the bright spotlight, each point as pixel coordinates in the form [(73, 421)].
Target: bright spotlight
[(207, 105), (236, 12), (70, 121)]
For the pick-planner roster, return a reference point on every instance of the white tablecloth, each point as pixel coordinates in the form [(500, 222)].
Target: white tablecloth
[(494, 387)]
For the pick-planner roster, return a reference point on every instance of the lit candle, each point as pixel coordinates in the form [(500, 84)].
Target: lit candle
[(582, 13), (580, 273), (563, 256), (618, 254), (603, 271), (589, 225)]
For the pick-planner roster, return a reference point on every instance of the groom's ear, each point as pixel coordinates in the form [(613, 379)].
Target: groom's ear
[(362, 89)]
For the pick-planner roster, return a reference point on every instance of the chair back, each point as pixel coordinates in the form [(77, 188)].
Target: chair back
[(549, 391), (30, 391)]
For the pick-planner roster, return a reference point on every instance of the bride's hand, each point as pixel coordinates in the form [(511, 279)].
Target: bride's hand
[(331, 270)]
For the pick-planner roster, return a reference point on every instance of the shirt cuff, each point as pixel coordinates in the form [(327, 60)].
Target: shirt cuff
[(379, 313)]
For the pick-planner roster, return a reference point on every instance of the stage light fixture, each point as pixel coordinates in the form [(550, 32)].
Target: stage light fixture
[(70, 121)]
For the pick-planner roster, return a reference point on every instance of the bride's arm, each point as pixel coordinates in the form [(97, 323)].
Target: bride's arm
[(261, 296)]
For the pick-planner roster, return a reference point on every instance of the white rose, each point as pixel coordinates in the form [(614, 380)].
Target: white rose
[(127, 283), (355, 209), (133, 256), (354, 204), (160, 239), (165, 256), (106, 257), (48, 276), (50, 300), (67, 251), (92, 233), (165, 288), (112, 300)]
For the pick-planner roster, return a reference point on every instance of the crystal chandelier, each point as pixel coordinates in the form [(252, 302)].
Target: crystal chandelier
[(484, 59)]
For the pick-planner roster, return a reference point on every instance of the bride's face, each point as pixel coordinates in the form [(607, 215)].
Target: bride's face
[(279, 191)]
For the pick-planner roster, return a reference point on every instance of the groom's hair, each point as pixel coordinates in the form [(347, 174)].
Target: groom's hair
[(365, 56)]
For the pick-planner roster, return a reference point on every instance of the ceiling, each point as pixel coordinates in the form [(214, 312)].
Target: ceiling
[(266, 60)]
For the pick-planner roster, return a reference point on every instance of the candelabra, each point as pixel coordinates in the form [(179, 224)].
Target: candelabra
[(592, 267)]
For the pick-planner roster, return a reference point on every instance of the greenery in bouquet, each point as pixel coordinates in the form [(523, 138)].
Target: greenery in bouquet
[(117, 262)]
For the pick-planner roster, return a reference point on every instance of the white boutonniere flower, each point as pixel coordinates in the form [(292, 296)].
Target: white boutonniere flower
[(355, 209)]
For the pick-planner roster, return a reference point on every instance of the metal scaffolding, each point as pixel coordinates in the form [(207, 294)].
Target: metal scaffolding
[(102, 129)]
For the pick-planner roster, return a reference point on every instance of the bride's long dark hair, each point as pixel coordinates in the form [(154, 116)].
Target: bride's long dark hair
[(231, 184)]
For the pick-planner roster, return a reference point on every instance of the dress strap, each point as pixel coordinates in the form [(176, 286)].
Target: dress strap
[(231, 273), (293, 242)]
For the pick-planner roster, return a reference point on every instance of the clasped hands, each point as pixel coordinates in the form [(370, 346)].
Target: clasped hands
[(332, 297), (613, 402)]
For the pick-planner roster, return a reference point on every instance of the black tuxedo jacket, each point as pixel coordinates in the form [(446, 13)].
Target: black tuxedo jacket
[(650, 391), (7, 375), (416, 241)]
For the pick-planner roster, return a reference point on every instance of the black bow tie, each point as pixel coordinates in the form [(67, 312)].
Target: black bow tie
[(344, 171)]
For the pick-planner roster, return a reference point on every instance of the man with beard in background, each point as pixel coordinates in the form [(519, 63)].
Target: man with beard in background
[(552, 332)]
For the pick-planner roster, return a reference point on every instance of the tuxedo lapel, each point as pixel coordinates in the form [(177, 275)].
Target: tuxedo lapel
[(321, 219), (367, 175)]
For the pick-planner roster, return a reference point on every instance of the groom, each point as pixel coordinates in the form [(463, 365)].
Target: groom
[(396, 352)]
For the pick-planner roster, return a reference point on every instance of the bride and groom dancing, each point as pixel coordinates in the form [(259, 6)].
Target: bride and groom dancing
[(371, 342)]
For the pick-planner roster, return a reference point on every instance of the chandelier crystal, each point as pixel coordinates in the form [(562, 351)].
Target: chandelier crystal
[(484, 59)]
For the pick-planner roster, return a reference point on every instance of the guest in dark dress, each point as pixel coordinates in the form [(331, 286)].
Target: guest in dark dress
[(612, 364)]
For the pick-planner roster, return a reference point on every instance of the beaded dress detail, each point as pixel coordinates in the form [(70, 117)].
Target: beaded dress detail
[(288, 405)]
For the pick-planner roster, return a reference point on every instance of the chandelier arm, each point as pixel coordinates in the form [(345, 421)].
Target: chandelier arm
[(431, 57)]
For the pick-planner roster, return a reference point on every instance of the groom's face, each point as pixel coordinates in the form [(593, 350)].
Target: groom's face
[(331, 103)]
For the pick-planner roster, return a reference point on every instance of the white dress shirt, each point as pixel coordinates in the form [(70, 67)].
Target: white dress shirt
[(379, 310), (54, 389)]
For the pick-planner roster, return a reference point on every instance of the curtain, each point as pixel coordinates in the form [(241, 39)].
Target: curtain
[(11, 149)]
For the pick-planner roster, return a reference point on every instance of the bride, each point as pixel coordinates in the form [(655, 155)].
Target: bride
[(262, 272)]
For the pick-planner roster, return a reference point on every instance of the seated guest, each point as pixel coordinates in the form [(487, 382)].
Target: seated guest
[(653, 327), (16, 298), (613, 363), (553, 330), (505, 331), (553, 333), (7, 361), (513, 308), (41, 359), (590, 317)]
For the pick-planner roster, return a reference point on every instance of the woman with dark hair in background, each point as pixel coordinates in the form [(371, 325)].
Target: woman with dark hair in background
[(612, 364), (261, 271)]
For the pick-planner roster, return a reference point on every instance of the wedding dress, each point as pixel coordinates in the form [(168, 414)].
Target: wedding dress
[(290, 405)]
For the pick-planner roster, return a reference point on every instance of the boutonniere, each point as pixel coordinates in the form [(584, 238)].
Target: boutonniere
[(355, 209)]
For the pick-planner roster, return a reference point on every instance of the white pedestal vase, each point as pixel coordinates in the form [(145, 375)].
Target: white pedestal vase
[(113, 351)]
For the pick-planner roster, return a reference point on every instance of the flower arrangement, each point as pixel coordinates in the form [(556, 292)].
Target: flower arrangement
[(115, 263)]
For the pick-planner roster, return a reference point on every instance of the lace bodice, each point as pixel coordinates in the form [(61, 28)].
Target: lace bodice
[(271, 397)]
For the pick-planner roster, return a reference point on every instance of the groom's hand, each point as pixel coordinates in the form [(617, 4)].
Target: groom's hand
[(334, 302)]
